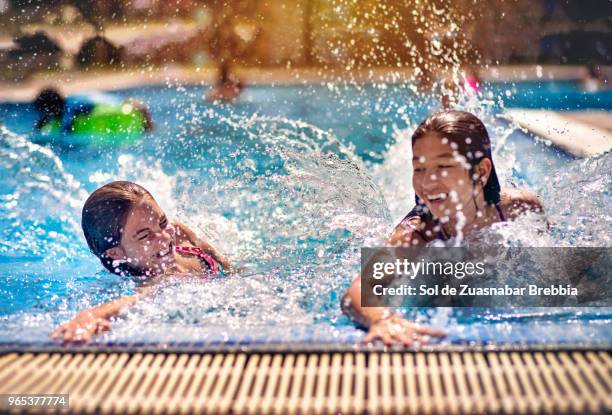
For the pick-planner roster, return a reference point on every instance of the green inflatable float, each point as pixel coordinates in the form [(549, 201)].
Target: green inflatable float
[(104, 125)]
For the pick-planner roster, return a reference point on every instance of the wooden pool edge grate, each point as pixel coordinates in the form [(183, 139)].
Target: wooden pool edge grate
[(329, 382)]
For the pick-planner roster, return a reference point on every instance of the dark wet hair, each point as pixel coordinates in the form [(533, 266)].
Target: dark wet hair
[(103, 219), (49, 104), (472, 141)]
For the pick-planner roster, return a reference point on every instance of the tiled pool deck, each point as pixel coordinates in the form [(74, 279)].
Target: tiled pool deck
[(285, 383)]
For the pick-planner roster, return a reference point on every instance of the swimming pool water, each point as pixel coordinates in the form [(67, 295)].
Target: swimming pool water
[(291, 182)]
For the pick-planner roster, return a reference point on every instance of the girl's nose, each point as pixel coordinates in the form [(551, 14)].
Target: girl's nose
[(168, 233), (433, 175), (429, 181)]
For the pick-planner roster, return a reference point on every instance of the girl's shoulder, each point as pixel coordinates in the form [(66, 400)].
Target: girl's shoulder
[(515, 202), (413, 230)]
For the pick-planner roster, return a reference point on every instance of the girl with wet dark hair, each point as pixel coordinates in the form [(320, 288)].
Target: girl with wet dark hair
[(456, 186), (457, 192), (132, 236)]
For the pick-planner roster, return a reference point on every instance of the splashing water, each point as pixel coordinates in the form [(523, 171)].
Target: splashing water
[(288, 201), (32, 172), (576, 195), (280, 196)]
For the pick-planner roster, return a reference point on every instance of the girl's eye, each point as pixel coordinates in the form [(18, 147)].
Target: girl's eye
[(419, 170), (163, 223), (143, 236)]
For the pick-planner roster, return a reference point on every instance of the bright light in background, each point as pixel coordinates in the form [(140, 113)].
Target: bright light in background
[(4, 6)]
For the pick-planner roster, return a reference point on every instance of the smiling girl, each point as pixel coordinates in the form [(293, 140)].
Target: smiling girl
[(457, 193), (132, 236)]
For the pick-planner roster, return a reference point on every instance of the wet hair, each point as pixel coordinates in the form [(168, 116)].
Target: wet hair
[(471, 139), (49, 104), (103, 219)]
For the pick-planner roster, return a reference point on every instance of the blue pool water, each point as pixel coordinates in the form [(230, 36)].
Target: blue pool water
[(290, 182)]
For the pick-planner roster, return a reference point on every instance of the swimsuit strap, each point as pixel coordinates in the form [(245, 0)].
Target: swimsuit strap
[(212, 264), (502, 217)]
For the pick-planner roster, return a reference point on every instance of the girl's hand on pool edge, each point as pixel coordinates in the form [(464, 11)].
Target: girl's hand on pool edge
[(396, 329), (82, 328)]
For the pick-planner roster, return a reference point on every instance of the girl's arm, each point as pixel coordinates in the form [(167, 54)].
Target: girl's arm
[(381, 322), (403, 235), (96, 320), (363, 316), (184, 234), (517, 202), (408, 233)]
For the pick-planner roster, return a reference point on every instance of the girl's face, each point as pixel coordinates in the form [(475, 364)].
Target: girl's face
[(441, 176), (147, 242)]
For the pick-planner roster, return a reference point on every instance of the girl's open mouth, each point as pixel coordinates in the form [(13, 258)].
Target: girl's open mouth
[(165, 252)]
